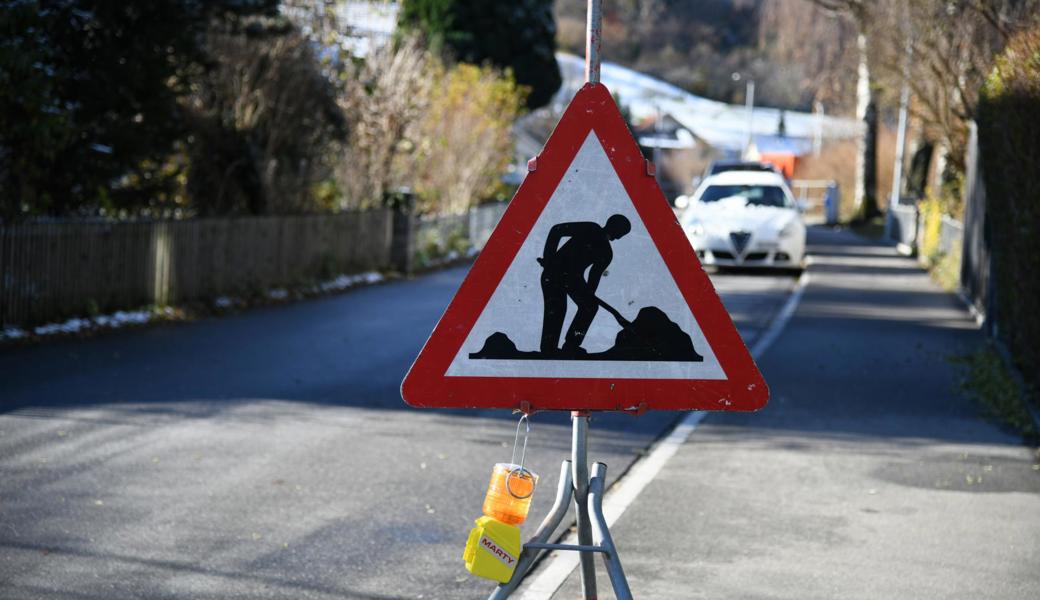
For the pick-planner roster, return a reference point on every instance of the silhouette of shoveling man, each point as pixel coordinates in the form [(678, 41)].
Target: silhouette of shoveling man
[(573, 271), (563, 276)]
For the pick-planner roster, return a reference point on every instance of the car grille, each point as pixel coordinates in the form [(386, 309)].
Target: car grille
[(755, 256), (740, 240), (721, 254)]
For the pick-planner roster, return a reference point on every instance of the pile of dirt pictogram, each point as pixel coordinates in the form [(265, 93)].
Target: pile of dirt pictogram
[(652, 336)]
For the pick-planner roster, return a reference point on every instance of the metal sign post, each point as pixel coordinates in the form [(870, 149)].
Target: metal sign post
[(575, 481), (593, 28)]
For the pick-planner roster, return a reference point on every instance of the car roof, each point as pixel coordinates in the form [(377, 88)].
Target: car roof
[(734, 164), (746, 178)]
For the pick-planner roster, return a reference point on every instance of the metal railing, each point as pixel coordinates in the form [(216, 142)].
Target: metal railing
[(903, 228), (819, 197), (951, 234)]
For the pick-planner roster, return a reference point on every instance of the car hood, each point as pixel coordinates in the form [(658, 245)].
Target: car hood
[(736, 215)]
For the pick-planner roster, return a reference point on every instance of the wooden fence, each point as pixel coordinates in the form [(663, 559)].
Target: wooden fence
[(53, 270)]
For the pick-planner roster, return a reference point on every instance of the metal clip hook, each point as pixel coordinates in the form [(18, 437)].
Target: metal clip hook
[(523, 455)]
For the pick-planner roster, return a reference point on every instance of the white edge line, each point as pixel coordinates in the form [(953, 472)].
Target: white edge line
[(559, 565)]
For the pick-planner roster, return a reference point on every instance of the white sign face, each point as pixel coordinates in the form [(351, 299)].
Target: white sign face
[(602, 260)]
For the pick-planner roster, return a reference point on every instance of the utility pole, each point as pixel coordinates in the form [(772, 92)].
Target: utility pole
[(897, 169), (817, 146), (749, 104)]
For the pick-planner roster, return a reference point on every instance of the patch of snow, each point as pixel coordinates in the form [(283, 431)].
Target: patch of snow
[(70, 326), (135, 317), (12, 333), (343, 282), (722, 125)]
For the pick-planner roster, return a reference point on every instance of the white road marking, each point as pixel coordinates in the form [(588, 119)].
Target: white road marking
[(559, 565)]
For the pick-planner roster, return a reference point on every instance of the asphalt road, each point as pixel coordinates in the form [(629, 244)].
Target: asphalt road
[(268, 454), (868, 475)]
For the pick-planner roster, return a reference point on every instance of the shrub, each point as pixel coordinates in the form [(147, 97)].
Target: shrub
[(465, 140), (384, 98), (1009, 143), (931, 227), (443, 132)]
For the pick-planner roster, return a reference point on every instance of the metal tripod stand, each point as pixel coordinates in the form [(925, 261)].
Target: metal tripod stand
[(593, 534)]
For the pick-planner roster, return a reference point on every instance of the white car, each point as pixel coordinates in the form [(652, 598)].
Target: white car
[(745, 219)]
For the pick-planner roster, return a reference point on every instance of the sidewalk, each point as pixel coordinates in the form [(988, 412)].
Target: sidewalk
[(867, 476)]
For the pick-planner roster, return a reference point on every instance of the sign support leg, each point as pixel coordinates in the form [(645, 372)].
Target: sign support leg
[(528, 556), (602, 534), (580, 464), (597, 537)]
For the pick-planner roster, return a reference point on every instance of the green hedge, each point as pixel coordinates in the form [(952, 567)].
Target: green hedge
[(1009, 143)]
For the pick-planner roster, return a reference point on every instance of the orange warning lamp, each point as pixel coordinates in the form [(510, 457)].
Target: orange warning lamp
[(493, 547), (509, 493)]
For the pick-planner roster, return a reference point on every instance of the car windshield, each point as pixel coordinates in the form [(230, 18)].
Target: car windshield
[(754, 195)]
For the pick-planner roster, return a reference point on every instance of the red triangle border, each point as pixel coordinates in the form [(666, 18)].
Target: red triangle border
[(426, 386)]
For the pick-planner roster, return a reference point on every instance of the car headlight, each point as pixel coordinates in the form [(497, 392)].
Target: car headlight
[(695, 228)]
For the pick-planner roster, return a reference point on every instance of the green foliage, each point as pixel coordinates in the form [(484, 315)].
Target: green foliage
[(1009, 144), (444, 238), (519, 36), (931, 211), (944, 267), (987, 379), (88, 96)]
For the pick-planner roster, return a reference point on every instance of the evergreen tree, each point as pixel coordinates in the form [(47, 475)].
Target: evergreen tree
[(88, 96), (519, 35)]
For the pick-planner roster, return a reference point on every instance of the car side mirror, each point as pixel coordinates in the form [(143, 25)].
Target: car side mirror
[(802, 205)]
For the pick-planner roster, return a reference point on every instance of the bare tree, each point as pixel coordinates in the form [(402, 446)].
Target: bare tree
[(800, 35), (386, 98), (261, 118), (953, 43), (862, 13), (441, 131)]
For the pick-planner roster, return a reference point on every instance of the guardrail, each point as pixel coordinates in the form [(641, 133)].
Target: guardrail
[(903, 228), (951, 234), (819, 196)]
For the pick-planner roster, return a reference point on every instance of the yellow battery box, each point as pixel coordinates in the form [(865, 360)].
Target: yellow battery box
[(492, 549)]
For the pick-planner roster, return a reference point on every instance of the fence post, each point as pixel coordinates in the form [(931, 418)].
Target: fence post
[(832, 204), (402, 238)]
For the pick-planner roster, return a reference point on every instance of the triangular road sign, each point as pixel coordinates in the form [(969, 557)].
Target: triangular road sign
[(588, 295)]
